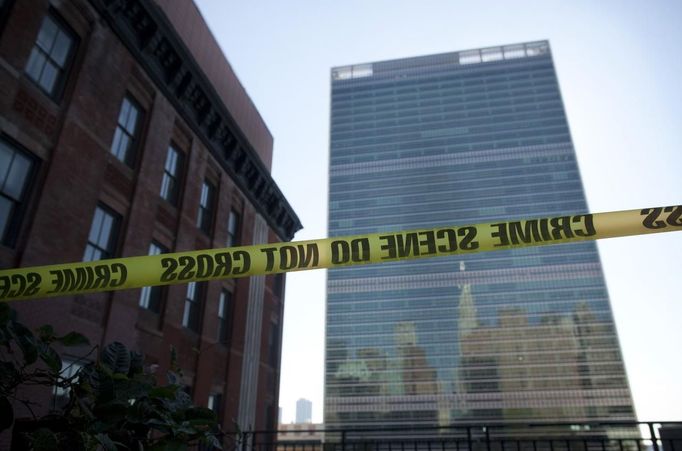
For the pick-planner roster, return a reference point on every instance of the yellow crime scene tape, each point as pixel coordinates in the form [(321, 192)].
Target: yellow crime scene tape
[(243, 261)]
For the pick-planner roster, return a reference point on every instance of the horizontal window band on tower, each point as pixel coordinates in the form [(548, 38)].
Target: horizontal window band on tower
[(469, 109), (442, 125)]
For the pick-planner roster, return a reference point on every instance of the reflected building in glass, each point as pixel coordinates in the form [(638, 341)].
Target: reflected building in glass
[(521, 335)]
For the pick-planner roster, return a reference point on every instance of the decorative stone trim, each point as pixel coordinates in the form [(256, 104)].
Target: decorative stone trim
[(152, 40)]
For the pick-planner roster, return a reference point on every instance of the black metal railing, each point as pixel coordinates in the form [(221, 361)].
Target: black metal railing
[(593, 436)]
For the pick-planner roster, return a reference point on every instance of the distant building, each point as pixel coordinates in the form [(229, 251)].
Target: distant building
[(523, 335), (124, 131), (304, 411), (309, 436)]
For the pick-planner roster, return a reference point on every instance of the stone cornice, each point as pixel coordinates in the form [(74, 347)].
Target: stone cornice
[(153, 41)]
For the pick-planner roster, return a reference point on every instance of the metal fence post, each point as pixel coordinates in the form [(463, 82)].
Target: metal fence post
[(654, 441)]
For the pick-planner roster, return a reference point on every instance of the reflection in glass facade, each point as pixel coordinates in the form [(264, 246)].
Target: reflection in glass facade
[(528, 334)]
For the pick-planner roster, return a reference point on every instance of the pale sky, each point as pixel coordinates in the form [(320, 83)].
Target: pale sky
[(619, 65)]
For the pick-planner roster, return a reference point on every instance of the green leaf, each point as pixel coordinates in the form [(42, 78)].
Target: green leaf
[(166, 392), (73, 339), (111, 411), (182, 399), (85, 409), (106, 442), (119, 377), (136, 363), (26, 342), (185, 428), (202, 424), (168, 444), (29, 350), (51, 358), (88, 375), (211, 440), (104, 390), (46, 333), (44, 440), (174, 360), (159, 425), (116, 357), (6, 414), (172, 378), (202, 413)]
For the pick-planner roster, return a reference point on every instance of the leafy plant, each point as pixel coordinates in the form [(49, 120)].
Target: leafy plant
[(21, 353), (114, 402)]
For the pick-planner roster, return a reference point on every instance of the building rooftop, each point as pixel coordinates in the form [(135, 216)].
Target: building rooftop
[(472, 56)]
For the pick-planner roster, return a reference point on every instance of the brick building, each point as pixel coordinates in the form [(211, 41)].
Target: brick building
[(124, 131)]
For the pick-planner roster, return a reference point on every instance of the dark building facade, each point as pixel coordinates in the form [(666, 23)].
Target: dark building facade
[(124, 131), (513, 336)]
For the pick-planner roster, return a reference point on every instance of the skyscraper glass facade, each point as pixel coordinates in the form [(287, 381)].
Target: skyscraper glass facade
[(528, 334)]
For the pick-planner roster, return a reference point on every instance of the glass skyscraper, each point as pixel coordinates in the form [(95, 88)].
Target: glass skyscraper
[(521, 335)]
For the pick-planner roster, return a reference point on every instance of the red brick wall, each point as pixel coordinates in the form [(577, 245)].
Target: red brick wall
[(72, 139), (191, 26)]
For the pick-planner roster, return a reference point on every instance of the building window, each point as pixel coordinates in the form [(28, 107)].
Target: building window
[(187, 389), (124, 142), (48, 64), (69, 370), (103, 233), (191, 318), (223, 312), (16, 169), (233, 229), (172, 170), (150, 297), (206, 207), (215, 401)]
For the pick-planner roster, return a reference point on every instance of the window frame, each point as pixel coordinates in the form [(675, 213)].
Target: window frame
[(207, 207), (8, 236), (70, 367), (171, 193), (215, 403), (112, 240), (151, 297), (233, 236), (130, 154), (224, 304), (192, 310), (57, 89)]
